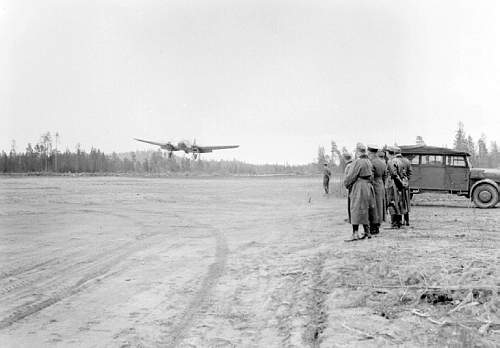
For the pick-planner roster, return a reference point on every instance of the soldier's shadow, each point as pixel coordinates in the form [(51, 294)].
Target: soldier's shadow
[(442, 201), (442, 205)]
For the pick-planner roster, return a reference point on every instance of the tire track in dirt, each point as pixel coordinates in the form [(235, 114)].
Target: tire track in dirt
[(299, 303), (318, 314), (57, 286), (34, 264), (46, 281), (43, 280), (58, 290), (23, 283), (199, 301), (33, 274), (17, 270)]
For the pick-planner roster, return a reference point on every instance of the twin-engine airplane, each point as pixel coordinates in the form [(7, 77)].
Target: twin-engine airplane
[(187, 147)]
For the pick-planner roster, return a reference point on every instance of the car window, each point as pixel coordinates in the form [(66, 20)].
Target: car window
[(455, 161), (432, 160)]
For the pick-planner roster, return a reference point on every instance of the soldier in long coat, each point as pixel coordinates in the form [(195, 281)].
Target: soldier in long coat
[(403, 189), (406, 172), (361, 194), (379, 178), (348, 163), (394, 187)]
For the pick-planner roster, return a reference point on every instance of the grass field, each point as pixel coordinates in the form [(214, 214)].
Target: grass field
[(223, 262)]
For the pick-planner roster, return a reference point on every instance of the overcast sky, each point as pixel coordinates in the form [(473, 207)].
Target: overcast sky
[(279, 78)]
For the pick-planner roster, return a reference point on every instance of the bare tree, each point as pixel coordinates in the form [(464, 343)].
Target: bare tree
[(336, 155), (55, 153)]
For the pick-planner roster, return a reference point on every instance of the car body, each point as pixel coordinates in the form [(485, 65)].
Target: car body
[(439, 169)]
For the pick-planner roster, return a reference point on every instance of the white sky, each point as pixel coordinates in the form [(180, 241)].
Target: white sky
[(279, 78)]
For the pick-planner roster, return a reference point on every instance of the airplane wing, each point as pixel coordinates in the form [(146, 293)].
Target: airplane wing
[(151, 142), (203, 149), (166, 146)]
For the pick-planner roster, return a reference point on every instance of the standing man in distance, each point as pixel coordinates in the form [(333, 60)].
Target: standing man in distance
[(379, 178), (326, 178)]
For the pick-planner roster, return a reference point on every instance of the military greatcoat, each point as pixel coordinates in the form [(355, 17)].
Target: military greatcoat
[(406, 172), (393, 193), (361, 194), (347, 167), (346, 171), (379, 178)]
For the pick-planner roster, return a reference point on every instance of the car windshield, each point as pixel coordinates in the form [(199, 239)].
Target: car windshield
[(456, 161)]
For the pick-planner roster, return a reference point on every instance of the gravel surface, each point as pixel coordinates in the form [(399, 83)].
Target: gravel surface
[(245, 262)]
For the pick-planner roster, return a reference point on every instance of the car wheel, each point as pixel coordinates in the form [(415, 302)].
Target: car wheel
[(485, 196)]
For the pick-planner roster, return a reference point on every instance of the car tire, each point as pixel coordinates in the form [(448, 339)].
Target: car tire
[(485, 196)]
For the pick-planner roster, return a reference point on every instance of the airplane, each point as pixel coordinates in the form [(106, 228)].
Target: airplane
[(187, 147)]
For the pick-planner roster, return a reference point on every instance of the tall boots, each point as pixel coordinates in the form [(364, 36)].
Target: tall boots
[(366, 230), (396, 221), (407, 219), (374, 229), (355, 232)]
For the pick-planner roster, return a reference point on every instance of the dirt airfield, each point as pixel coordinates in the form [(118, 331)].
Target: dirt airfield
[(237, 262)]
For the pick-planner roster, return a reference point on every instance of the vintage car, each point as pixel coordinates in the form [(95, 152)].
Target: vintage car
[(438, 169)]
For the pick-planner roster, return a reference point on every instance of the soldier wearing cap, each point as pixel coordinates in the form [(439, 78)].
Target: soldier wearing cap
[(362, 197), (379, 178), (394, 187), (326, 178), (405, 173), (347, 157)]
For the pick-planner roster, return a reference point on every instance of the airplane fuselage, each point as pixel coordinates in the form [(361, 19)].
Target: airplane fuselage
[(180, 146), (184, 146)]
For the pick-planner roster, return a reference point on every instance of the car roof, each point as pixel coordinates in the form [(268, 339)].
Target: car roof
[(430, 150)]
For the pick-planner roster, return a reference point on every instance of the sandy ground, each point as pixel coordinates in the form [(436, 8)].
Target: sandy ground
[(245, 262)]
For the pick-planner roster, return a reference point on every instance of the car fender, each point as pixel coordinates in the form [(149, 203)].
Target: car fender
[(484, 181)]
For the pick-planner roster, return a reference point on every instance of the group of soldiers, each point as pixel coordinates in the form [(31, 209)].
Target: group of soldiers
[(377, 183)]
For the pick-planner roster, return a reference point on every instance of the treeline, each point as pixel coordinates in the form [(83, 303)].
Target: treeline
[(334, 159), (482, 155), (44, 157)]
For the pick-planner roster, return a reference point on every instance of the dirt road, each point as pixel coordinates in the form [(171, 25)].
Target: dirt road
[(252, 262)]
